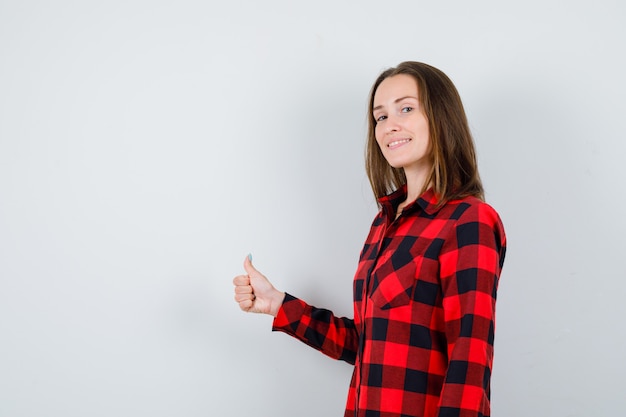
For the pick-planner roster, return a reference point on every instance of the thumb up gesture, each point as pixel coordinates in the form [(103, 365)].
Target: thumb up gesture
[(254, 292)]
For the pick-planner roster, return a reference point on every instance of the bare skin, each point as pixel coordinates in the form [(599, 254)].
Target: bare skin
[(255, 294), (402, 132)]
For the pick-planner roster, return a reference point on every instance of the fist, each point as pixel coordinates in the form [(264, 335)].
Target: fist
[(254, 293)]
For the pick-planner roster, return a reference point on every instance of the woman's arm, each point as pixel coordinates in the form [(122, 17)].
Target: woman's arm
[(319, 328), (471, 262)]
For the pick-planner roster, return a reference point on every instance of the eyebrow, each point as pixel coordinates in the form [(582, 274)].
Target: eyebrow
[(396, 101)]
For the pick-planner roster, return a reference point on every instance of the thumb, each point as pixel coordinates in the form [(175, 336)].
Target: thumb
[(247, 265)]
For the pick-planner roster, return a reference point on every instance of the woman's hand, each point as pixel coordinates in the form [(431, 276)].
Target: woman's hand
[(254, 292)]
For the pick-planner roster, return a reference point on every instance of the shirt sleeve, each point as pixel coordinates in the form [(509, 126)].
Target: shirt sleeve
[(319, 328), (471, 262)]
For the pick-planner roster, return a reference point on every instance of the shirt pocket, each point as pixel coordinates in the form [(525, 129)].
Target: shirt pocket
[(393, 279)]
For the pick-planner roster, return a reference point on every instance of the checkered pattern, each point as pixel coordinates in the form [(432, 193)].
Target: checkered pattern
[(424, 312)]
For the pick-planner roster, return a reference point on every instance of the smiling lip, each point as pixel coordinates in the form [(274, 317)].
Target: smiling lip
[(397, 143)]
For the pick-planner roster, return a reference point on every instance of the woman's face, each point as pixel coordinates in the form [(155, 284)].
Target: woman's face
[(401, 125)]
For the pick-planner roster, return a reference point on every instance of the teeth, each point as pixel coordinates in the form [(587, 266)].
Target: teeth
[(397, 142)]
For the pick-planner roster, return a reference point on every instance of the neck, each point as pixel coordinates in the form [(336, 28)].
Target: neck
[(415, 182)]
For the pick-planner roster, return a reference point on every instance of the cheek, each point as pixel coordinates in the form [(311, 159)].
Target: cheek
[(422, 126)]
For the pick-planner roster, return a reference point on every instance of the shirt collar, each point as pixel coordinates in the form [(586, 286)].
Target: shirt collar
[(426, 202)]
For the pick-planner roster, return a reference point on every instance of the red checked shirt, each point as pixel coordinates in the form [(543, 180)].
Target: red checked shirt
[(424, 311)]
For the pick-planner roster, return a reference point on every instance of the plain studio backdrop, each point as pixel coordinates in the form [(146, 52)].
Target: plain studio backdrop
[(146, 147)]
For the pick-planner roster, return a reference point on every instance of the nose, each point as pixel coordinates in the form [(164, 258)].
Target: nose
[(392, 124)]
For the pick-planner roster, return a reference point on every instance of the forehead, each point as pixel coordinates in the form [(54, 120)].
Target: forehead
[(396, 86)]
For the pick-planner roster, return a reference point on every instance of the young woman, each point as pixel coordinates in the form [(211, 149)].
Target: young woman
[(425, 288)]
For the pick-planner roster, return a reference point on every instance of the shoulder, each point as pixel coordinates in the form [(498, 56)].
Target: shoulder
[(472, 209), (475, 219), (476, 233)]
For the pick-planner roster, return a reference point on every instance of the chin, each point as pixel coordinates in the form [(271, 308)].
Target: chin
[(396, 164)]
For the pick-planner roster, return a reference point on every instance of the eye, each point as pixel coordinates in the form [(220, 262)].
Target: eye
[(380, 118), (407, 109)]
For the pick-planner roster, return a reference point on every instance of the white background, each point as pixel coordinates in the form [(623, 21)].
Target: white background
[(146, 147)]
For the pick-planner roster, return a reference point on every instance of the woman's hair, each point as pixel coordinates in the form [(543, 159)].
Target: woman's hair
[(454, 173)]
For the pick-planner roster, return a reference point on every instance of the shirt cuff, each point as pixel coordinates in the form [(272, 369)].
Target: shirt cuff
[(289, 314)]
